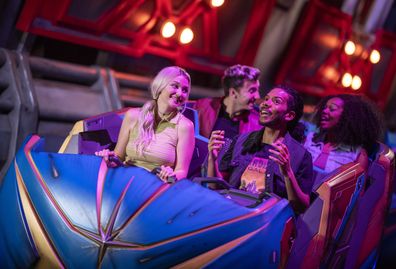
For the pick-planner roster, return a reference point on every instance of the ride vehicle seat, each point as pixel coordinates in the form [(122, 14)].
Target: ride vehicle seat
[(101, 132), (343, 226)]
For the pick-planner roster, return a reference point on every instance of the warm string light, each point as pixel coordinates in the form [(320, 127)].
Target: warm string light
[(186, 36), (168, 29), (350, 48), (346, 80), (216, 3), (375, 56), (356, 83)]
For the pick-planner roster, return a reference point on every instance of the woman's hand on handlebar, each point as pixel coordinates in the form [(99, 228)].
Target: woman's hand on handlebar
[(165, 172), (111, 159)]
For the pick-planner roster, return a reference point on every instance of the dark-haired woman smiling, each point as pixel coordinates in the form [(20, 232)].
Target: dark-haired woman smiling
[(348, 128)]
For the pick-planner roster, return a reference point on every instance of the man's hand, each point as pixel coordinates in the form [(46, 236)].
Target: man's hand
[(215, 144), (280, 155)]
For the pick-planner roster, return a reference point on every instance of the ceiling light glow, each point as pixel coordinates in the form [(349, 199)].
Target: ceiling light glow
[(375, 56), (350, 48), (168, 29), (217, 3), (346, 80), (186, 36), (356, 83)]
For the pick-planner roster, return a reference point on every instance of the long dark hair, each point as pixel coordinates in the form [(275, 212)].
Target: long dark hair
[(360, 124)]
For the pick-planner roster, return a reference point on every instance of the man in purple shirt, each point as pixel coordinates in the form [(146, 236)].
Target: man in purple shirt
[(234, 113)]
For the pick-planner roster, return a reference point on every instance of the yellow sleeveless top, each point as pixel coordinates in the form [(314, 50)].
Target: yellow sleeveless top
[(160, 151)]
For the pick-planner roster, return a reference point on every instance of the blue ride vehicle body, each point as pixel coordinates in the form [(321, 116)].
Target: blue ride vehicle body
[(69, 210)]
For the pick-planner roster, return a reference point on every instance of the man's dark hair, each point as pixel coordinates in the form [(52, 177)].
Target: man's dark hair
[(234, 77), (295, 128), (360, 124), (294, 103)]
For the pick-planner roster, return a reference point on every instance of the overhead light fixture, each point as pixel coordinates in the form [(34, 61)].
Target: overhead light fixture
[(356, 82), (350, 47), (168, 29), (375, 56), (216, 3), (186, 36), (346, 80)]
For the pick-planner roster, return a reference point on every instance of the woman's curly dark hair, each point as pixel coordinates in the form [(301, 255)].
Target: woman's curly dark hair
[(360, 124)]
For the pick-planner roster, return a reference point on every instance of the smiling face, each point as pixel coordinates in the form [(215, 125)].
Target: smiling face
[(245, 97), (175, 94), (331, 113), (274, 111)]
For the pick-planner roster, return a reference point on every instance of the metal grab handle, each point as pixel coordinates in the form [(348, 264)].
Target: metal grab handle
[(114, 159), (216, 180)]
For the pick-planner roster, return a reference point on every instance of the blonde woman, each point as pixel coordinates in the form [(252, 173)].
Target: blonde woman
[(158, 135)]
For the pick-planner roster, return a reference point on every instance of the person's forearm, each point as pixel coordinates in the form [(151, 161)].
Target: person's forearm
[(213, 168), (298, 199), (120, 155), (180, 174)]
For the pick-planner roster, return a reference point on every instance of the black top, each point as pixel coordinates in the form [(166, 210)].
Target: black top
[(234, 159), (224, 122)]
